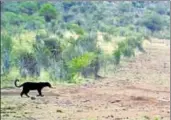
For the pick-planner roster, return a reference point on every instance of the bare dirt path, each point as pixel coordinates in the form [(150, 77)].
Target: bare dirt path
[(139, 90)]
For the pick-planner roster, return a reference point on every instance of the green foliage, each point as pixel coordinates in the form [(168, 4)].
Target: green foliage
[(124, 7), (48, 11), (65, 45), (28, 64), (33, 22), (11, 7), (136, 42), (41, 34), (6, 42), (75, 78), (107, 37), (138, 4), (53, 47), (26, 40), (126, 47), (161, 9), (29, 7), (8, 78), (117, 56), (153, 22), (25, 55), (77, 29), (124, 20), (76, 64), (11, 18), (42, 54), (6, 47), (128, 51), (44, 74)]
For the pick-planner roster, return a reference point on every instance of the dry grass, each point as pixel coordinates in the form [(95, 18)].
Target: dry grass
[(139, 90)]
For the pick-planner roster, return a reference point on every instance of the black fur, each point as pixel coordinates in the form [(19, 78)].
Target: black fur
[(27, 86)]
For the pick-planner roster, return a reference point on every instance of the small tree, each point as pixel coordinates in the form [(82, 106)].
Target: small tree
[(49, 12)]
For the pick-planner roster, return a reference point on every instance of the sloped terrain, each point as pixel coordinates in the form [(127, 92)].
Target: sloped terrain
[(139, 90)]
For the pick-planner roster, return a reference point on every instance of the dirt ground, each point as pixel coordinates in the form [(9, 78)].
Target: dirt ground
[(140, 90)]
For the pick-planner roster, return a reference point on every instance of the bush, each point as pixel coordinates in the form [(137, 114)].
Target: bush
[(138, 4), (11, 18), (117, 56), (153, 22), (11, 7), (29, 7), (161, 9), (124, 7), (126, 48), (49, 12), (6, 42), (77, 29), (52, 47), (33, 22), (6, 47), (28, 64), (41, 34), (8, 79), (78, 63), (107, 37), (128, 51)]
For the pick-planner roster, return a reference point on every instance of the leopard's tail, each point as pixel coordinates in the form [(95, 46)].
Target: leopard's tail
[(15, 83)]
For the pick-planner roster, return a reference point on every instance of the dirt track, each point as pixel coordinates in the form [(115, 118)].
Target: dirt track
[(139, 90)]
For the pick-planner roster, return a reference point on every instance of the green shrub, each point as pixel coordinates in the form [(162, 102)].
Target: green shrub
[(117, 56), (49, 12), (41, 34), (128, 51), (124, 6), (51, 47), (77, 64), (11, 7), (76, 28), (6, 42), (107, 37), (126, 48), (29, 7), (8, 79), (161, 9), (6, 48), (11, 18), (153, 21)]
